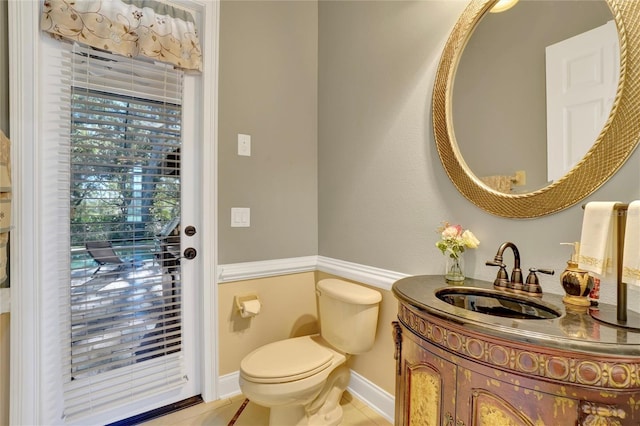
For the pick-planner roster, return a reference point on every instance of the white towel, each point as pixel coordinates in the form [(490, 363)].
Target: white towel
[(631, 253), (598, 241)]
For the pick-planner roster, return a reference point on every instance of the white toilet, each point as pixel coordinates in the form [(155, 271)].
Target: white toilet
[(302, 379)]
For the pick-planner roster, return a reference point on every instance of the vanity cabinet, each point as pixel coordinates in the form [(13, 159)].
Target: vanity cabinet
[(425, 386), (438, 388), (454, 373)]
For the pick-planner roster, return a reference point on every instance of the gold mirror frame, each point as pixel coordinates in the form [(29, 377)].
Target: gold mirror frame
[(614, 145)]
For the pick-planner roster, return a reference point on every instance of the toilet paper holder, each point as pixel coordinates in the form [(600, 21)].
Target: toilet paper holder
[(247, 305)]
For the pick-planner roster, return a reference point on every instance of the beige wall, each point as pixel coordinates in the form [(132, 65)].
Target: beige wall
[(289, 309), (268, 89)]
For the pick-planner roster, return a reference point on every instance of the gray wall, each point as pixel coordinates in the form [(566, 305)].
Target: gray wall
[(382, 189), (268, 89), (379, 183)]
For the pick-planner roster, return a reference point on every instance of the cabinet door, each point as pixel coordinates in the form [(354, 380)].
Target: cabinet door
[(483, 400), (427, 385)]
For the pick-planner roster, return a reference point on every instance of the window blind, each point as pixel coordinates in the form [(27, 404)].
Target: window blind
[(124, 334)]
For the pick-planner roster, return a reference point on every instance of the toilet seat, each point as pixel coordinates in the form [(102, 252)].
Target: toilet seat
[(286, 360)]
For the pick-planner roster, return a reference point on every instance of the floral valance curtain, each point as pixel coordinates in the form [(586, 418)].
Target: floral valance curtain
[(127, 27)]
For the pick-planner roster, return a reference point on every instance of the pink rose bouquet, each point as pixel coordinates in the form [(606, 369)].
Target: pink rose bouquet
[(454, 240)]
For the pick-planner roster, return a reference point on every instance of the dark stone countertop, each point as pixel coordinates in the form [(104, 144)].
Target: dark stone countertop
[(572, 330)]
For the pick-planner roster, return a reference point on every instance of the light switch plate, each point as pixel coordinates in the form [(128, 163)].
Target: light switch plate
[(244, 145), (240, 217)]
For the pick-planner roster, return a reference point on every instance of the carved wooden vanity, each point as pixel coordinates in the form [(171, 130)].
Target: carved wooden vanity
[(461, 368)]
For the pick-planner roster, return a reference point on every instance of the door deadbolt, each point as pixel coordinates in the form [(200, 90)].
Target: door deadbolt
[(190, 231), (190, 253)]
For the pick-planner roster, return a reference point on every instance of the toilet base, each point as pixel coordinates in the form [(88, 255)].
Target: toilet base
[(297, 416), (324, 410), (289, 415), (332, 418)]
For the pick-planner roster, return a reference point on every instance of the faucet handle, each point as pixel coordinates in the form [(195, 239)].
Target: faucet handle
[(532, 285), (502, 279)]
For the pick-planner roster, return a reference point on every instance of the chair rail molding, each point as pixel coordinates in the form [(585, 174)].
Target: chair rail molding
[(370, 275), (376, 277), (265, 268)]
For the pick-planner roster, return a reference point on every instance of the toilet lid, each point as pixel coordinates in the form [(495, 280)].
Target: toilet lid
[(286, 360)]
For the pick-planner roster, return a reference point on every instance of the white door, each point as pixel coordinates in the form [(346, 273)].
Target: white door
[(582, 79), (40, 322), (128, 307)]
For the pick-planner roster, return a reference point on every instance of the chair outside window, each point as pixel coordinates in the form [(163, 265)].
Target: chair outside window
[(103, 254)]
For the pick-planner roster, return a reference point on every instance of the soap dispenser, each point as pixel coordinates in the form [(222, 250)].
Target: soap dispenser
[(576, 282)]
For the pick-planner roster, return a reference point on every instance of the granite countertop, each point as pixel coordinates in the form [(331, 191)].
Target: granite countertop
[(572, 330)]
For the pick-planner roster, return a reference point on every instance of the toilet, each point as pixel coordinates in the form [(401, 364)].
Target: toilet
[(302, 379)]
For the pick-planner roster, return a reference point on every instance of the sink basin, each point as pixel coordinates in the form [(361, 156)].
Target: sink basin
[(497, 303)]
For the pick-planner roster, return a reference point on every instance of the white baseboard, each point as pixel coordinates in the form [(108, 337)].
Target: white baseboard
[(229, 385), (373, 396)]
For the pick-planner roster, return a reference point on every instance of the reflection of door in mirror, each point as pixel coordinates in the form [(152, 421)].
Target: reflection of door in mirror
[(582, 79), (498, 98)]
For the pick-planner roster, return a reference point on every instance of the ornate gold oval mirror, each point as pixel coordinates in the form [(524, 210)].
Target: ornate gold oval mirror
[(612, 147)]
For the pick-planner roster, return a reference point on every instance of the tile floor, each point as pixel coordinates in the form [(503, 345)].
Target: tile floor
[(220, 413)]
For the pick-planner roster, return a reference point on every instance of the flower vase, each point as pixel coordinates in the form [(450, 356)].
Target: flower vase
[(454, 271)]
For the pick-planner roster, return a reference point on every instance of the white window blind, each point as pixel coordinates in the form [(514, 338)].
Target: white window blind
[(124, 336)]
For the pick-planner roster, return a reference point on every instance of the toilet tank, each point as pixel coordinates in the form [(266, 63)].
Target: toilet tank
[(348, 315)]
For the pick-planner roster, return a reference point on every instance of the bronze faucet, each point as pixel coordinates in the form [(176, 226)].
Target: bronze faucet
[(531, 287), (502, 281)]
